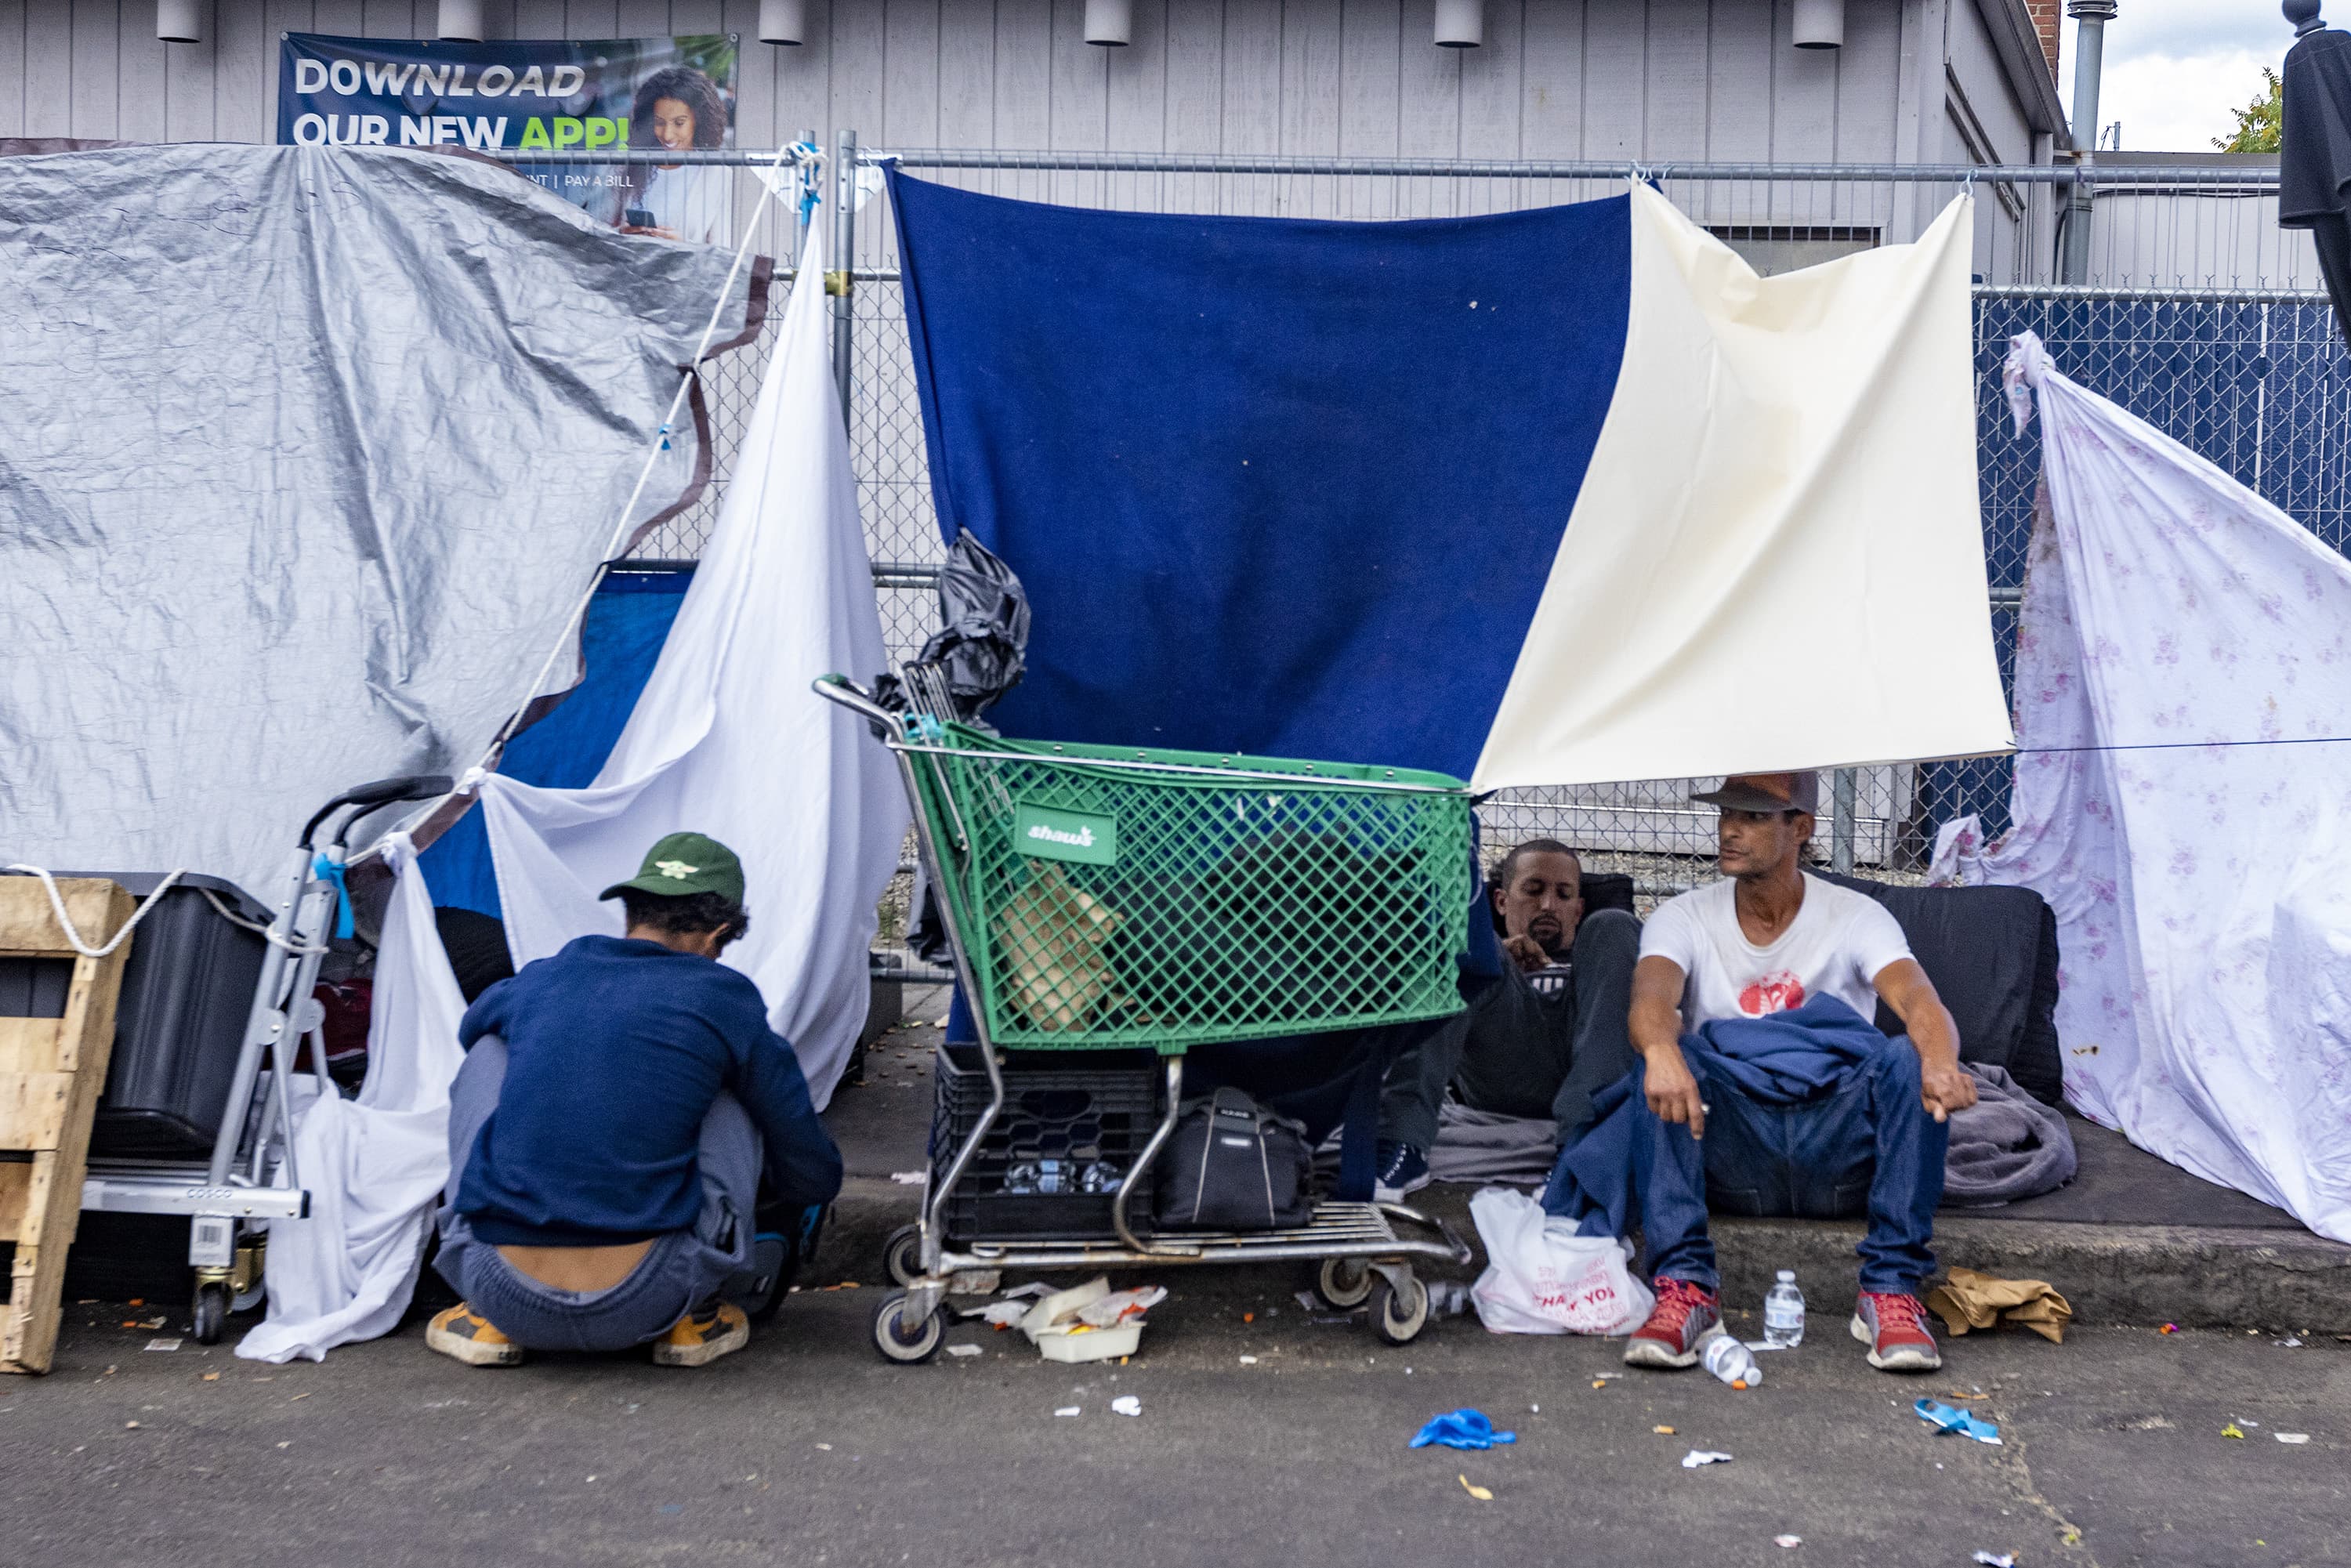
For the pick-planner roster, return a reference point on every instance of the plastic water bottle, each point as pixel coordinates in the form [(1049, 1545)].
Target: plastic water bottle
[(1732, 1362), (1783, 1313)]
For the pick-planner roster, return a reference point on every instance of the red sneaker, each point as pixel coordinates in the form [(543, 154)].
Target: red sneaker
[(1685, 1318), (1894, 1327)]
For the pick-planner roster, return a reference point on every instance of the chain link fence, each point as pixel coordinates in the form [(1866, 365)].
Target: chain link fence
[(2201, 317)]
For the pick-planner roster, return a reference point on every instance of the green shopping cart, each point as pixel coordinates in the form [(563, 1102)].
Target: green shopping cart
[(1101, 898)]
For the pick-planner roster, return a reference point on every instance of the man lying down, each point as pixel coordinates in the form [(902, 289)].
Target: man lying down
[(1763, 1088), (607, 1129), (1539, 1041)]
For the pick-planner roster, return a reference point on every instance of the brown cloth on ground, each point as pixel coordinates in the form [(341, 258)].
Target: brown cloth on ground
[(1969, 1300)]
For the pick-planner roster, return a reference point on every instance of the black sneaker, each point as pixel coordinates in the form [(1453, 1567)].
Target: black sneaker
[(1403, 1169)]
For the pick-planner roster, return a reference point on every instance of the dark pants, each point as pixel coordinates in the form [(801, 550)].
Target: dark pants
[(1518, 1054), (684, 1269), (1866, 1147)]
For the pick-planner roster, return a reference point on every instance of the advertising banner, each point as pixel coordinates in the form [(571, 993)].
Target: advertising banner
[(676, 93)]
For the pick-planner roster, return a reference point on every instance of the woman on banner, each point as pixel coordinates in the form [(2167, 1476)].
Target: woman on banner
[(678, 107)]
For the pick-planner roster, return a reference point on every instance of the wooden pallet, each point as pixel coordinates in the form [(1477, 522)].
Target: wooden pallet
[(52, 1070)]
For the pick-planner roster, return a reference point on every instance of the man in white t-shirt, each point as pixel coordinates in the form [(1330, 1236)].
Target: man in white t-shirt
[(1723, 1116)]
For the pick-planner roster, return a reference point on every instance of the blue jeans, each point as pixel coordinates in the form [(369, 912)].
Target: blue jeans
[(684, 1269), (1867, 1148)]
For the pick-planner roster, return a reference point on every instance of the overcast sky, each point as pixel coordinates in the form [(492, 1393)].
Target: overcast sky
[(2176, 67)]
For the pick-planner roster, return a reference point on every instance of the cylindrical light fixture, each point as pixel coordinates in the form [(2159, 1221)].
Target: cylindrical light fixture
[(460, 19), (180, 21), (1110, 23), (1460, 24), (783, 21), (1820, 24)]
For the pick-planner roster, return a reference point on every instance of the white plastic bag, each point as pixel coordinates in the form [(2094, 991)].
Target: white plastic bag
[(1542, 1278)]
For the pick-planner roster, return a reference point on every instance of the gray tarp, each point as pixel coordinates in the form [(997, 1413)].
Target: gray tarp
[(305, 456)]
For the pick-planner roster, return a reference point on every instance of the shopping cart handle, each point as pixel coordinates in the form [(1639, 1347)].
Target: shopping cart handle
[(849, 694)]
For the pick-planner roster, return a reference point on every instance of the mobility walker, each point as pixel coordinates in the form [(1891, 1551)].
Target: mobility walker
[(1105, 899)]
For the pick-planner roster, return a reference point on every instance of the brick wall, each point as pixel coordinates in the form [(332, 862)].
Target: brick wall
[(2047, 19)]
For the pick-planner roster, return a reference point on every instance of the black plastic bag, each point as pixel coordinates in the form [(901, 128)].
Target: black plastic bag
[(983, 633)]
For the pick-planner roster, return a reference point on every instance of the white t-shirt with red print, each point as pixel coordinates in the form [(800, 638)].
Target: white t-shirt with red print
[(1839, 943)]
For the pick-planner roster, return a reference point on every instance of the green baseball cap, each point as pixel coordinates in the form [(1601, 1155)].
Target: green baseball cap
[(684, 864)]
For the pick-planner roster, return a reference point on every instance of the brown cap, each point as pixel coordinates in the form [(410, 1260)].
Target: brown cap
[(1767, 792)]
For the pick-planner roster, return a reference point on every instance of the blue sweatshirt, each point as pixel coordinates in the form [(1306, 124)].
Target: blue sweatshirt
[(614, 1051)]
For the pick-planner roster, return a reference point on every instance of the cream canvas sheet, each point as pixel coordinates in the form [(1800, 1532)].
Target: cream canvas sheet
[(1786, 570)]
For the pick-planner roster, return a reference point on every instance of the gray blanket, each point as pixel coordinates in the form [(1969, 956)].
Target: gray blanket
[(2006, 1146), (1486, 1146)]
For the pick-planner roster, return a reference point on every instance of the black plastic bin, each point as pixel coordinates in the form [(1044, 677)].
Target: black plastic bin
[(1082, 1109), (186, 990)]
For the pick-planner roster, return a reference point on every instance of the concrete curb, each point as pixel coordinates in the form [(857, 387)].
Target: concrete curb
[(2113, 1275)]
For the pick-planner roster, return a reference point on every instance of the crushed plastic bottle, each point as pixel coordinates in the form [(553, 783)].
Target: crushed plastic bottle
[(1731, 1362), (1783, 1313), (1447, 1298)]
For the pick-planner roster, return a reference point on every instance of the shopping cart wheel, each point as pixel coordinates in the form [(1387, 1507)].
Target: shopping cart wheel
[(1397, 1317), (209, 1313), (1344, 1283), (912, 1344), (902, 1255)]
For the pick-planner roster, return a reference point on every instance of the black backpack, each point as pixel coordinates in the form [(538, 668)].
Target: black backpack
[(1232, 1164)]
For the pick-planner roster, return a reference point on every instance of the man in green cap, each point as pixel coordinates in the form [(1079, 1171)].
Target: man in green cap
[(608, 1132)]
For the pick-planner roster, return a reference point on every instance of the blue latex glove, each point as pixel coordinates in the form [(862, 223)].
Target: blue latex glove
[(1946, 1418), (1462, 1429)]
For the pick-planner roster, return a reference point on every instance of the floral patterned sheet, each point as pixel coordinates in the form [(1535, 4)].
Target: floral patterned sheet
[(2183, 801)]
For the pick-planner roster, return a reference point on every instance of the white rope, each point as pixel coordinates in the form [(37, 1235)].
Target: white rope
[(799, 153), (267, 934), (73, 934), (653, 455)]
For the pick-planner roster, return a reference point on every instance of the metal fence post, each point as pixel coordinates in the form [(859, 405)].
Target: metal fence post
[(1841, 788), (2089, 43), (840, 281)]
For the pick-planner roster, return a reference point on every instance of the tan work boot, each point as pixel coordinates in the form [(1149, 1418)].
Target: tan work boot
[(699, 1338), (466, 1335)]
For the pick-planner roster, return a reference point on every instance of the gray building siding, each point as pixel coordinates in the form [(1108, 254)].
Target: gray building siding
[(1653, 79)]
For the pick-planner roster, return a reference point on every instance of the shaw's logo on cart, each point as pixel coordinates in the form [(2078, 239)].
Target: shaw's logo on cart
[(1051, 833)]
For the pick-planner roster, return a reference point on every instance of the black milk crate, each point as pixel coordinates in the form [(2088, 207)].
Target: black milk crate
[(1082, 1110)]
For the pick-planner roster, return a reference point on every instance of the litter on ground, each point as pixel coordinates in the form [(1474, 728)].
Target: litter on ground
[(1996, 1559), (1944, 1418), (1480, 1493), (1697, 1457), (1463, 1428), (963, 1350), (1787, 1540), (2296, 1437), (1127, 1405), (2231, 1430), (1068, 1410)]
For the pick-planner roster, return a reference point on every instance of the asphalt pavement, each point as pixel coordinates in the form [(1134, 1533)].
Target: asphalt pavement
[(808, 1448)]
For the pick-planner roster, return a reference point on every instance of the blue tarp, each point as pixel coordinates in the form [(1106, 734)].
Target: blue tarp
[(1274, 486), (621, 638)]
